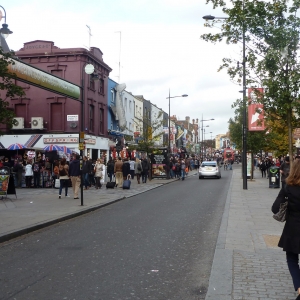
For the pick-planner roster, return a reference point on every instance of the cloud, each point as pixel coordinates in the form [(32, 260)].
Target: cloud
[(160, 48)]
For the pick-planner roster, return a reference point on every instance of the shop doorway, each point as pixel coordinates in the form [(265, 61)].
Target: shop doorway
[(94, 154)]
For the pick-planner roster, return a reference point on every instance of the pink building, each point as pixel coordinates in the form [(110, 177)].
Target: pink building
[(47, 118)]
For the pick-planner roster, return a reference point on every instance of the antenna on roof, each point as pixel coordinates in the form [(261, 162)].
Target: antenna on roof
[(119, 57), (90, 34)]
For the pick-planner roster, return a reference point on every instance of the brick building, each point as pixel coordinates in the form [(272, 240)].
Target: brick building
[(44, 117)]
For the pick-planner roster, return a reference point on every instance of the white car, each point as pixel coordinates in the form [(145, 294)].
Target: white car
[(209, 169)]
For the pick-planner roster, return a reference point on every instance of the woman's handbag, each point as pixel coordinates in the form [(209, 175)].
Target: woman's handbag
[(281, 215)]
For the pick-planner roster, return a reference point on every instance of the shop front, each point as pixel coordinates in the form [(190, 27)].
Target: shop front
[(47, 150)]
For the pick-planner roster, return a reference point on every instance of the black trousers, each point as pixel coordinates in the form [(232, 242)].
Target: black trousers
[(292, 260), (98, 183), (28, 180)]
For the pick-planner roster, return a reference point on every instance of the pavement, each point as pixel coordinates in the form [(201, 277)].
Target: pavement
[(35, 208), (247, 262)]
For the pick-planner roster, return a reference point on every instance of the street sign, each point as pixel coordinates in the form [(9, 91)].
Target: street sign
[(81, 146), (72, 117), (37, 77)]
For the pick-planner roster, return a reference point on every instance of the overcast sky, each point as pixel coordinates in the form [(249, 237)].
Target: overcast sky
[(160, 48)]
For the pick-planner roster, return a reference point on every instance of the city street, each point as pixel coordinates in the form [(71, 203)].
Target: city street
[(155, 245)]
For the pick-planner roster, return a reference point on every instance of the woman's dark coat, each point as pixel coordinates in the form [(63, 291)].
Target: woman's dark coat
[(290, 238)]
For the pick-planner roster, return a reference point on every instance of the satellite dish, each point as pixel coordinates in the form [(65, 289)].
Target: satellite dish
[(89, 69)]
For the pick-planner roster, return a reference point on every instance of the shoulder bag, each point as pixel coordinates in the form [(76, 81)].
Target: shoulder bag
[(281, 215)]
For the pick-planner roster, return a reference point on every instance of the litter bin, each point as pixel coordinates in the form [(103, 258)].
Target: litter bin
[(274, 177)]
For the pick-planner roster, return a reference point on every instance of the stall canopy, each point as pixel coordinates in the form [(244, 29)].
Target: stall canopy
[(16, 147)]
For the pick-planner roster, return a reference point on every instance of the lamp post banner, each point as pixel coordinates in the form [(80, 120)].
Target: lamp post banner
[(255, 110), (256, 117), (44, 80)]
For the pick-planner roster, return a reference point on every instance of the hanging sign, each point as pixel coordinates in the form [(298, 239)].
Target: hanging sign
[(44, 80)]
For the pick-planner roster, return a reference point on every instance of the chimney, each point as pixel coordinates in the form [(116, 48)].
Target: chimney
[(187, 119)]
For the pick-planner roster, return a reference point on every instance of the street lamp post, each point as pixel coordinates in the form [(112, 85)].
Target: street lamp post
[(211, 145), (202, 134), (169, 138), (4, 31), (244, 137), (89, 70)]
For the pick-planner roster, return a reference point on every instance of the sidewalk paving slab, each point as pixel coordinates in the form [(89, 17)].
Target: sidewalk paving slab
[(247, 262)]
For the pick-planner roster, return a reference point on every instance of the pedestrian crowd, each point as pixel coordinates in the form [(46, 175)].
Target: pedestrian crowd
[(94, 173), (179, 166)]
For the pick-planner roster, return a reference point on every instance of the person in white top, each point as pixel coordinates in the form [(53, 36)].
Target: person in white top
[(98, 173), (28, 174), (132, 168)]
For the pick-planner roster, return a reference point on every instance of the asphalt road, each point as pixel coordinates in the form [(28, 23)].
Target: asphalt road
[(156, 245)]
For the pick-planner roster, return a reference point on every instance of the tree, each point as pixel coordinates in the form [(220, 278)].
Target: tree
[(151, 132), (272, 60), (8, 87)]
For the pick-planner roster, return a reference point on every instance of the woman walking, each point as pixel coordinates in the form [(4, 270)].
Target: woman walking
[(98, 173), (110, 169), (138, 169), (290, 238), (63, 170), (263, 169)]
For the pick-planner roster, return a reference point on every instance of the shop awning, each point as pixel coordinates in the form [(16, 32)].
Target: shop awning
[(115, 133)]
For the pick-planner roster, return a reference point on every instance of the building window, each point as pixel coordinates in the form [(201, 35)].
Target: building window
[(58, 73), (101, 86), (117, 127), (130, 126), (111, 126), (125, 104), (130, 105), (101, 120), (92, 83), (56, 117), (91, 117)]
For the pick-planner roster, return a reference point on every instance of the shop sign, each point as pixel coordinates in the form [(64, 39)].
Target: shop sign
[(4, 184), (166, 130), (158, 165), (44, 80), (90, 141), (61, 140)]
